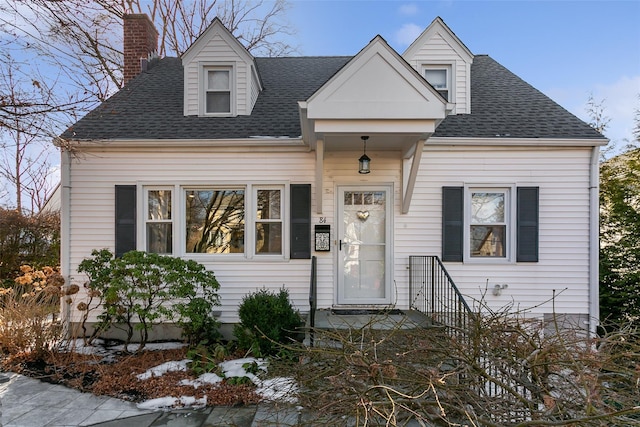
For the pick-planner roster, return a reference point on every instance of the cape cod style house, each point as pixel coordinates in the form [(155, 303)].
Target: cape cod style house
[(383, 167)]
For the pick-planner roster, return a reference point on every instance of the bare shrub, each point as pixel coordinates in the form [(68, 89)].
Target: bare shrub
[(505, 370), (29, 311)]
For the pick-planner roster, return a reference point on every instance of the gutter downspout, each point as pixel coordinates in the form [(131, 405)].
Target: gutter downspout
[(65, 235), (594, 241)]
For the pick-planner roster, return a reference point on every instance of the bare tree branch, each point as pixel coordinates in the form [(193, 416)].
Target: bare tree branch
[(78, 45)]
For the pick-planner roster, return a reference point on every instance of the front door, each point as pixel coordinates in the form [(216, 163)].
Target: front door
[(364, 235)]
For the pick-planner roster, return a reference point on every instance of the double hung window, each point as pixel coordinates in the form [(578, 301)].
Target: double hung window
[(159, 220), (268, 221), (487, 224), (440, 78), (218, 81)]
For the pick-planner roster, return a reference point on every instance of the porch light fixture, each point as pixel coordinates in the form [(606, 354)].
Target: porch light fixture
[(364, 160)]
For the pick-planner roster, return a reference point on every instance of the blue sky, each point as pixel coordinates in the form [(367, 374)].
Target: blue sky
[(566, 49)]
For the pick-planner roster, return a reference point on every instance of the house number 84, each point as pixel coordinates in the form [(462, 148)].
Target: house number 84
[(323, 219)]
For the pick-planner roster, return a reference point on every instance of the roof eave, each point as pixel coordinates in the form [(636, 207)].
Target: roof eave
[(251, 142), (523, 142)]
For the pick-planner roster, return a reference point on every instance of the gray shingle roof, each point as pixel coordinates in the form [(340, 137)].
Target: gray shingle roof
[(504, 104), (151, 106)]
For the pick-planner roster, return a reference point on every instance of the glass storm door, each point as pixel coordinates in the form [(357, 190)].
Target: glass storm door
[(364, 236)]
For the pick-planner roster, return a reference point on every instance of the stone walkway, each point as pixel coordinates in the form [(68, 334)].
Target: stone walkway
[(28, 402)]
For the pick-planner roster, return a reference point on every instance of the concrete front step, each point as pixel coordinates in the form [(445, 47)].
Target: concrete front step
[(329, 319)]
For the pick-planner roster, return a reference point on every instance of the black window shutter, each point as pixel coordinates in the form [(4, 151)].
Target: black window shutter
[(527, 224), (300, 221), (452, 223), (125, 219)]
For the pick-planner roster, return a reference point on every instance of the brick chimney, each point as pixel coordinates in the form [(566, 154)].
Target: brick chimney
[(140, 44)]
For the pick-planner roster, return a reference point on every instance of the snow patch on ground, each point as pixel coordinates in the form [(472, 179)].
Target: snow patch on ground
[(100, 348), (280, 389), (273, 389), (208, 378), (236, 367), (157, 371), (173, 402)]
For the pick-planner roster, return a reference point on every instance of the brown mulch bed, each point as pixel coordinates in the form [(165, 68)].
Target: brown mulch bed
[(116, 376)]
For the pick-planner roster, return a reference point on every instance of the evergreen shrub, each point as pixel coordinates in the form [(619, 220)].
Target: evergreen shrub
[(267, 321)]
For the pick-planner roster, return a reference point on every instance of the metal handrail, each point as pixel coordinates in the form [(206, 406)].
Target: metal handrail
[(313, 298), (434, 293)]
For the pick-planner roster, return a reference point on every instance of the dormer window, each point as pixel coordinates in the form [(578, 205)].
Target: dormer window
[(217, 90), (218, 97), (220, 75), (440, 78)]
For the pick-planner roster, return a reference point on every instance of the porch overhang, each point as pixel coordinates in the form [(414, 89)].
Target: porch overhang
[(400, 138), (377, 94), (421, 128)]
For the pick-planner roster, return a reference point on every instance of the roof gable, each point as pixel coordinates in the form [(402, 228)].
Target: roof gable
[(440, 49), (438, 29), (376, 84), (215, 30), (217, 48)]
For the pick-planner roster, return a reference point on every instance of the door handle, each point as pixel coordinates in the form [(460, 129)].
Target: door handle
[(340, 244)]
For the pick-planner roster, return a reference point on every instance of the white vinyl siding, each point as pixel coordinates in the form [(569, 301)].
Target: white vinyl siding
[(563, 181), (217, 52), (92, 214), (560, 174), (255, 90), (438, 52)]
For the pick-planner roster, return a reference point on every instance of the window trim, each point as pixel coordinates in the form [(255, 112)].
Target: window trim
[(145, 216), (283, 221), (204, 68), (510, 222), (183, 188), (448, 67), (179, 218)]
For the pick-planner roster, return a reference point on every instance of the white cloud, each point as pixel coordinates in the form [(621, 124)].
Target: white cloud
[(409, 9), (407, 34)]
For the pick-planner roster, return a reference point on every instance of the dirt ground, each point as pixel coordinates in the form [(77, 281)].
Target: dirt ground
[(116, 376)]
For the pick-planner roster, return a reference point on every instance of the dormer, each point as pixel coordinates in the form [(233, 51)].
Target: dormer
[(220, 75), (445, 62)]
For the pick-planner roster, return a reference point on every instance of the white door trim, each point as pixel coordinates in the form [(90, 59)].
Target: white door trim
[(387, 269)]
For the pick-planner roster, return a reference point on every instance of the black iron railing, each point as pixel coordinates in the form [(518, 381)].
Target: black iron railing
[(313, 299), (434, 293)]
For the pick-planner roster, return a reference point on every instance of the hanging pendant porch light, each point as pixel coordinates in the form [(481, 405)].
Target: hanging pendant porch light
[(364, 161)]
